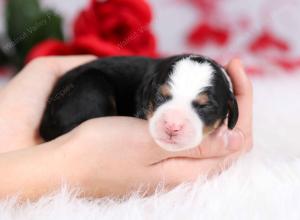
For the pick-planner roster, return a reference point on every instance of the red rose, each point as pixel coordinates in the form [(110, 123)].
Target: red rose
[(106, 28), (124, 23), (48, 48), (82, 45)]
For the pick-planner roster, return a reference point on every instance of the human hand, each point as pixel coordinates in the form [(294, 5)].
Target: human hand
[(24, 98), (116, 155), (112, 156)]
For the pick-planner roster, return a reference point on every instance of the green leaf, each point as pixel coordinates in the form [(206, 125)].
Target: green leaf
[(50, 25), (20, 14), (46, 25), (27, 25)]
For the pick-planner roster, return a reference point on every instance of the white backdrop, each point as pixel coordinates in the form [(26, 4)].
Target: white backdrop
[(172, 20)]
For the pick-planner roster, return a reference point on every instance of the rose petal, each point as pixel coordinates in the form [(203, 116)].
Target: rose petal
[(50, 47)]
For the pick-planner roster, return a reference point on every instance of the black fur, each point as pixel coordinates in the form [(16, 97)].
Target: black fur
[(125, 86)]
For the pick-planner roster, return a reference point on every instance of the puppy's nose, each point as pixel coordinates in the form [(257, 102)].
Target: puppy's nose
[(173, 129), (173, 122)]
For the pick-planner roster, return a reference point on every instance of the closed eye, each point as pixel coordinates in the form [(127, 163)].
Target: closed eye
[(198, 105), (160, 99)]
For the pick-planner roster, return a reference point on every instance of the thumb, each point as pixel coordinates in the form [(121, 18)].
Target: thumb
[(221, 142)]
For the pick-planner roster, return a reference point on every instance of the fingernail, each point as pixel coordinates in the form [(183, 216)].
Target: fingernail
[(234, 140)]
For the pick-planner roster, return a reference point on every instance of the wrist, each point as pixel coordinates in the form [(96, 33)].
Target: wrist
[(31, 172), (72, 163)]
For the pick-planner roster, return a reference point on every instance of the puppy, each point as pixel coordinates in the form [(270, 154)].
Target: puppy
[(184, 97)]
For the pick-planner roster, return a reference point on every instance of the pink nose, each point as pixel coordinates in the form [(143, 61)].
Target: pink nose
[(173, 122), (172, 129)]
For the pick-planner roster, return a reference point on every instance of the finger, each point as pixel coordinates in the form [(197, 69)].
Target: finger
[(177, 170), (219, 143), (39, 76), (243, 92), (66, 63), (139, 143), (241, 83)]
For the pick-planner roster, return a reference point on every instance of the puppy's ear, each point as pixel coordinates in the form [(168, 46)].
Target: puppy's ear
[(233, 111)]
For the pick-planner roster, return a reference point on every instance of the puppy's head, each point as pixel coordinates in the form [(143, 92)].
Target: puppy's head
[(187, 98)]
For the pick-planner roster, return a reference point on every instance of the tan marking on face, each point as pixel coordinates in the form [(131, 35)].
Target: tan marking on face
[(150, 111), (209, 129), (165, 90), (202, 99)]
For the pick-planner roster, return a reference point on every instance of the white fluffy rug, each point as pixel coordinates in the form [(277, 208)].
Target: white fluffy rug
[(264, 184)]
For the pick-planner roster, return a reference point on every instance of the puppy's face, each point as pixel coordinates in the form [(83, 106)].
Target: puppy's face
[(191, 99)]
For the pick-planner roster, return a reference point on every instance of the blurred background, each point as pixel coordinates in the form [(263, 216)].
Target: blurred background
[(263, 33)]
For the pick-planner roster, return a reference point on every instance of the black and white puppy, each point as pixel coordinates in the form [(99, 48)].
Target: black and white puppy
[(184, 97)]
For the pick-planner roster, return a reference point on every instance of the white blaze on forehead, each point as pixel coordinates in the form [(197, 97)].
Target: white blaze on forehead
[(189, 78)]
